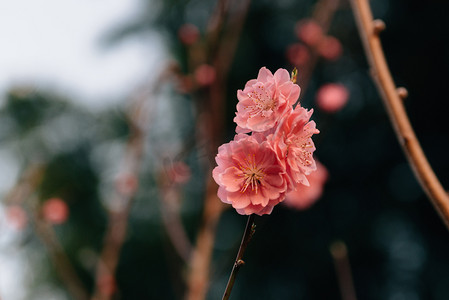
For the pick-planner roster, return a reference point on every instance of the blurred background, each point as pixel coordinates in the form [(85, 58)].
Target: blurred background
[(111, 115)]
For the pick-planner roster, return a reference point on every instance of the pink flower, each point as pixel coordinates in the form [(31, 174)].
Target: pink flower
[(330, 48), (55, 211), (293, 143), (249, 175), (16, 217), (188, 34), (304, 196), (298, 54), (179, 172), (309, 31), (126, 183), (205, 75), (265, 100), (332, 97)]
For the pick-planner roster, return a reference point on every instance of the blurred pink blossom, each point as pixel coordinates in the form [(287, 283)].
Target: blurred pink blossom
[(304, 196), (330, 48), (188, 34), (179, 172), (107, 285), (249, 175), (55, 211), (185, 84), (205, 75), (265, 100), (16, 217), (293, 144), (126, 184), (298, 54), (332, 97), (309, 31)]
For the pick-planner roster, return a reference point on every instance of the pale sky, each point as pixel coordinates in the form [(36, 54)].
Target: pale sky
[(56, 44)]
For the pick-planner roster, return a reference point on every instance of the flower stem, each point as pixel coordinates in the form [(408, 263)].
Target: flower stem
[(249, 232)]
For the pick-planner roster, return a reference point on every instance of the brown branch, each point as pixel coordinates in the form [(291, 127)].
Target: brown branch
[(118, 216), (26, 185), (228, 46), (172, 219), (215, 26), (60, 261), (322, 14), (247, 235), (221, 42), (369, 31), (23, 190), (339, 253), (198, 276)]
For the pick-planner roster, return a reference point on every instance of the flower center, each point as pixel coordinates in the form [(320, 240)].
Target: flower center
[(302, 148), (252, 174), (263, 102)]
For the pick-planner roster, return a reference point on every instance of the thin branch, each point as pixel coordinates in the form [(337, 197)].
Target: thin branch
[(323, 13), (23, 190), (172, 219), (339, 253), (61, 262), (228, 46), (118, 217), (198, 276), (369, 31), (212, 119), (247, 235)]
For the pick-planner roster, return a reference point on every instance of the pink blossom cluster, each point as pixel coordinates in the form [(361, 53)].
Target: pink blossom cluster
[(312, 40), (272, 152)]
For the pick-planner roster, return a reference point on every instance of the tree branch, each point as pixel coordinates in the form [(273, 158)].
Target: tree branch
[(369, 30), (247, 235)]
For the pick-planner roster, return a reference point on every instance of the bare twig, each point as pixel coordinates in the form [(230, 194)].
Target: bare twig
[(118, 216), (22, 191), (198, 276), (61, 262), (339, 253), (247, 235), (228, 46), (26, 185), (322, 14), (213, 118), (172, 219), (369, 32)]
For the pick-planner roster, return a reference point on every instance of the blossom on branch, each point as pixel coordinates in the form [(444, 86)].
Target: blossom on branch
[(249, 175), (294, 146), (254, 172), (264, 101)]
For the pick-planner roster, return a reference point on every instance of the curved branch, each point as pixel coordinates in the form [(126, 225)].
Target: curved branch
[(369, 30)]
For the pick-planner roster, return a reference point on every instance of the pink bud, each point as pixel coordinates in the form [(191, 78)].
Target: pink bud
[(179, 172), (332, 97), (205, 75), (298, 54), (55, 211), (185, 84), (126, 184), (16, 217), (188, 34), (330, 48), (309, 31), (107, 285)]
